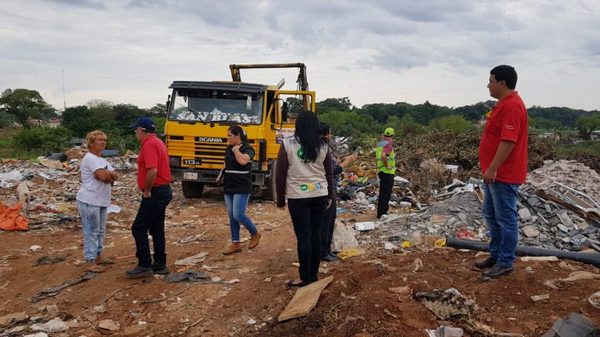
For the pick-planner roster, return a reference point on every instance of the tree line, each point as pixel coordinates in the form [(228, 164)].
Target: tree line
[(409, 119), (22, 105)]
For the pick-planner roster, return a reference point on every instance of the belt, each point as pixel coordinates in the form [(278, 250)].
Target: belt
[(161, 187)]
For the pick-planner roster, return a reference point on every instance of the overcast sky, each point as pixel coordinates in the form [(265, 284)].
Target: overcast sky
[(374, 51)]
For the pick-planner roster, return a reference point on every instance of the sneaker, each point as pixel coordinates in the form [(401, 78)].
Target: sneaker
[(254, 239), (485, 264), (94, 268), (104, 260), (234, 247), (160, 269), (498, 270), (328, 258), (139, 271)]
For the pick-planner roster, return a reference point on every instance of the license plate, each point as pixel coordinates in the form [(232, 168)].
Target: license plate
[(190, 175), (191, 162)]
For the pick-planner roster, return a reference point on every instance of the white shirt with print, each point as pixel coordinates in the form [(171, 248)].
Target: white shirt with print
[(94, 191)]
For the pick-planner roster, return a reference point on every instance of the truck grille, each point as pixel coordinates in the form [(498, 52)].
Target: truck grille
[(208, 152)]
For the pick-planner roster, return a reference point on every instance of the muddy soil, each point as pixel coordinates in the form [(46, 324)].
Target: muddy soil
[(248, 290)]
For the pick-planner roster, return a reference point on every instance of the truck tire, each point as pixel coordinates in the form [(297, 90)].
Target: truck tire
[(269, 192), (192, 189)]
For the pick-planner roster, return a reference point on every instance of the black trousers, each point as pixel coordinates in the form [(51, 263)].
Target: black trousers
[(386, 182), (307, 218), (150, 219), (327, 228)]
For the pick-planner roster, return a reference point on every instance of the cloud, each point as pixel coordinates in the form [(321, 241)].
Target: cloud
[(376, 51), (80, 3)]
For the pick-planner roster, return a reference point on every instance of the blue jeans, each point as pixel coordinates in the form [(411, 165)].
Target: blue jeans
[(236, 209), (500, 214), (93, 220)]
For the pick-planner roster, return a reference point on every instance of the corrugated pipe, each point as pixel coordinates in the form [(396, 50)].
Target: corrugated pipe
[(589, 258)]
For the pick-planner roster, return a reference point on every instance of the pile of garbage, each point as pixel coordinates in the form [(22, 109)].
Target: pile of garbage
[(558, 209), (46, 188)]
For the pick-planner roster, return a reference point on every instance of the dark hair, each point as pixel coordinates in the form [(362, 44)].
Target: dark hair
[(308, 134), (325, 129), (505, 73), (237, 130)]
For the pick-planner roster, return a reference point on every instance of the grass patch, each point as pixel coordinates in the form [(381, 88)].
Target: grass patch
[(590, 147)]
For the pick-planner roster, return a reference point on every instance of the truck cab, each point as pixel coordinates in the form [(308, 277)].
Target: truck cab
[(199, 114)]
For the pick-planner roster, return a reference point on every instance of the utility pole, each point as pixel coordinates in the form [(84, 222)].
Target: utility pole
[(63, 85)]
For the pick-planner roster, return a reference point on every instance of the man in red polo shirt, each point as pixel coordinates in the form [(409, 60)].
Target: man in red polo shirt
[(503, 160), (153, 178)]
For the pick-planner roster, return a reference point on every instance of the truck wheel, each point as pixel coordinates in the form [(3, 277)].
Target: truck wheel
[(269, 191), (192, 189)]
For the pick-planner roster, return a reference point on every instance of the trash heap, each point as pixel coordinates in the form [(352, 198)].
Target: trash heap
[(557, 209), (52, 187)]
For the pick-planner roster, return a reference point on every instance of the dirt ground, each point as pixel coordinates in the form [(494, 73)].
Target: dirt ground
[(357, 301)]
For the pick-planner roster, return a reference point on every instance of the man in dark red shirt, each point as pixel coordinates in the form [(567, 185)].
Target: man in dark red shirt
[(503, 161), (153, 179)]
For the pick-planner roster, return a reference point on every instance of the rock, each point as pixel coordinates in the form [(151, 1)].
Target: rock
[(54, 325), (13, 318), (18, 328), (565, 218), (109, 325), (99, 308), (35, 248), (448, 331), (416, 238), (51, 310), (531, 232), (438, 218), (533, 201), (524, 214), (38, 334), (540, 297)]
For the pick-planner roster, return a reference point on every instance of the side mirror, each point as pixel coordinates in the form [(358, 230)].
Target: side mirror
[(167, 104), (284, 111)]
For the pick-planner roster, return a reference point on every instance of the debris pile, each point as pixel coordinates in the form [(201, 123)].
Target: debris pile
[(47, 188), (557, 210)]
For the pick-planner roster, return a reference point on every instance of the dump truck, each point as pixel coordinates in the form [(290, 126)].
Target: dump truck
[(199, 113)]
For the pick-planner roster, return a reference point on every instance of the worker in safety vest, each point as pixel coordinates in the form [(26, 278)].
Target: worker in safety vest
[(386, 168)]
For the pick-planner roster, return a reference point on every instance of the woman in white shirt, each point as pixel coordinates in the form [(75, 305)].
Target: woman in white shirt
[(93, 198)]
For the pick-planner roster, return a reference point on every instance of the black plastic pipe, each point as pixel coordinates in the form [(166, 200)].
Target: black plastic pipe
[(589, 258)]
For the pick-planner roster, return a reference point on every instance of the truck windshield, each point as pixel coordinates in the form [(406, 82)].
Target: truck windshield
[(216, 106)]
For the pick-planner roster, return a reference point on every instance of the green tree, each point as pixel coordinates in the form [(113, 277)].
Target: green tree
[(125, 115), (334, 104), (588, 124), (159, 110), (348, 123), (454, 123), (23, 104), (79, 120), (43, 139), (6, 119), (544, 123)]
